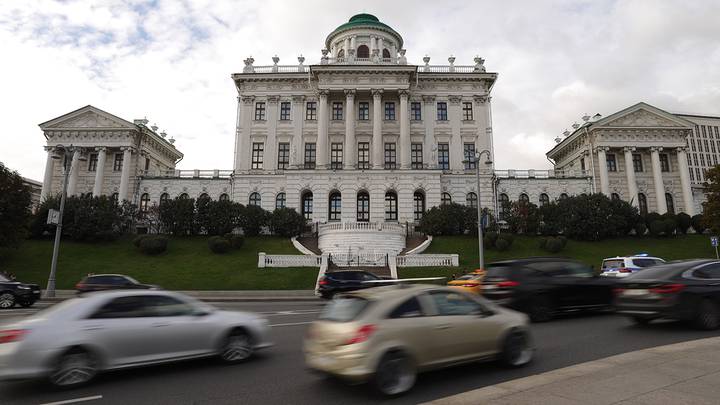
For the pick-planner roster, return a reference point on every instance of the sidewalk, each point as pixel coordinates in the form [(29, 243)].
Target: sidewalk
[(681, 373), (224, 296)]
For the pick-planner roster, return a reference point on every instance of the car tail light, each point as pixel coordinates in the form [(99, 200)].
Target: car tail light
[(470, 285), (12, 335), (624, 270), (668, 289), (79, 286), (618, 291), (362, 334), (323, 281), (503, 284)]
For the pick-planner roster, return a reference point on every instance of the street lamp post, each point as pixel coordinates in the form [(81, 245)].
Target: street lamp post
[(481, 261), (50, 291)]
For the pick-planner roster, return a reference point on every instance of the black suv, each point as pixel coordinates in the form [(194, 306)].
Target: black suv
[(348, 280), (543, 286), (13, 292), (102, 282)]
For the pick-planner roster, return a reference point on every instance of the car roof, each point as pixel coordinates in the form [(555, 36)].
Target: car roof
[(632, 257), (126, 293), (392, 291), (108, 274), (534, 259)]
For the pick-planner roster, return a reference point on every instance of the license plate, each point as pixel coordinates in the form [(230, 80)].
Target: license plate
[(635, 292)]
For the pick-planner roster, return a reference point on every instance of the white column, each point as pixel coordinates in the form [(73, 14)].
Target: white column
[(428, 118), (99, 171), (125, 174), (72, 181), (47, 179), (685, 181), (298, 110), (270, 152), (602, 162), (243, 155), (657, 179), (404, 130), (350, 142), (322, 140), (347, 48), (377, 142), (372, 45), (630, 172), (457, 153)]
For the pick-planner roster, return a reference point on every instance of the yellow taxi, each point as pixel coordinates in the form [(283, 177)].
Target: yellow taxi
[(471, 282)]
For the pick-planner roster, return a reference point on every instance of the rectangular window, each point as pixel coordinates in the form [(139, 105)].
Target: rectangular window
[(310, 155), (707, 148), (611, 162), (664, 162), (118, 162), (363, 155), (415, 111), (337, 110), (704, 134), (260, 111), (467, 111), (390, 156), (444, 156), (469, 151), (637, 162), (712, 146), (692, 144), (702, 160), (257, 155), (285, 111), (416, 156), (582, 164), (311, 110), (364, 112), (147, 164), (390, 111), (692, 174), (336, 155), (695, 159), (283, 156), (698, 177), (442, 111), (92, 162)]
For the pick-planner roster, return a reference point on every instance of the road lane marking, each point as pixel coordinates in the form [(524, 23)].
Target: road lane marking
[(290, 324), (76, 400)]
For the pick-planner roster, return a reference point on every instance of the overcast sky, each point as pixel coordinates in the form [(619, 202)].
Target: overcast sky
[(171, 61)]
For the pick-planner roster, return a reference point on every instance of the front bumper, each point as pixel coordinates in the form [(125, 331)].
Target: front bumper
[(28, 296)]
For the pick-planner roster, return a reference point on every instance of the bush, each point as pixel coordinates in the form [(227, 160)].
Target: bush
[(671, 226), (502, 244), (640, 228), (684, 221), (698, 223), (488, 242), (508, 237), (153, 245), (219, 245), (286, 222), (651, 217), (447, 219), (492, 236), (236, 241), (543, 243), (563, 239), (253, 219), (136, 240), (657, 227), (553, 245)]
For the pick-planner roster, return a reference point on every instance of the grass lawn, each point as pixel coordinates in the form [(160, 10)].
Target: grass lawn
[(188, 264), (592, 253)]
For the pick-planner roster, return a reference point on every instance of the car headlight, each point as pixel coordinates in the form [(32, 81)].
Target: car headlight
[(22, 287)]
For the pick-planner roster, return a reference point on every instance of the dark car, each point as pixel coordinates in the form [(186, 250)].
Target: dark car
[(102, 282), (686, 290), (544, 286), (348, 280), (13, 292)]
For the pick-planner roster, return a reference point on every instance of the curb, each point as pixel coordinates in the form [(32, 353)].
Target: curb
[(511, 387)]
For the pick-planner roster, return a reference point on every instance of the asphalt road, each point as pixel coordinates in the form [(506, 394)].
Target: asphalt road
[(278, 376)]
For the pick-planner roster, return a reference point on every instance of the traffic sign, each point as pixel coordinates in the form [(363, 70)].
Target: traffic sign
[(53, 217), (714, 241)]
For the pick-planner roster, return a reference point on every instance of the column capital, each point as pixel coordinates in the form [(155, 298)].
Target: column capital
[(377, 93), (127, 149), (455, 100), (629, 149), (349, 93), (404, 93), (247, 100), (323, 93), (428, 99), (100, 149), (601, 149), (681, 149), (298, 99), (656, 149), (479, 100), (273, 99)]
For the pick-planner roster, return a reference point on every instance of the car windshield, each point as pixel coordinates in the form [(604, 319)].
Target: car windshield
[(132, 280), (344, 309), (613, 264), (498, 270), (663, 271)]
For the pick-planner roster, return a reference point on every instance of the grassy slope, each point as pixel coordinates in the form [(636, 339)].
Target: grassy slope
[(187, 265), (592, 253)]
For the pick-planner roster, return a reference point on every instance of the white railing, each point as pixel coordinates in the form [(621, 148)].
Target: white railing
[(540, 174), (188, 174), (449, 69), (359, 61), (359, 259), (428, 260), (265, 260), (362, 226), (281, 69)]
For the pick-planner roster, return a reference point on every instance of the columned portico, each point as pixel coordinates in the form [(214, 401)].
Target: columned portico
[(99, 171), (47, 179), (322, 140), (404, 130), (685, 181), (72, 181), (657, 179), (377, 142), (125, 174), (630, 172), (350, 143), (602, 162)]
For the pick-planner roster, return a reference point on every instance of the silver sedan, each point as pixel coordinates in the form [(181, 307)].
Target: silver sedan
[(71, 342)]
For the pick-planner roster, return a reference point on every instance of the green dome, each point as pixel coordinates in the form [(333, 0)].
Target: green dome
[(363, 20)]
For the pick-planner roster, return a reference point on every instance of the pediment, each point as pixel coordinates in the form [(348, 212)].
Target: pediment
[(643, 115), (87, 117)]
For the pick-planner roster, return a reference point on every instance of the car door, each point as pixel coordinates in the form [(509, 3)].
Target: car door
[(181, 329), (554, 280), (592, 290), (408, 324)]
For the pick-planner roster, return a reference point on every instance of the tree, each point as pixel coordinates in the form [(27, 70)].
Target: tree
[(589, 217), (15, 200), (178, 216), (85, 218), (253, 219), (286, 222), (523, 217), (224, 216), (447, 219), (711, 207)]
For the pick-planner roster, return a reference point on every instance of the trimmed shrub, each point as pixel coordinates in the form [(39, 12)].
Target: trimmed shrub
[(698, 224), (657, 227), (488, 242), (286, 222), (652, 217), (564, 240), (502, 244), (219, 245), (507, 237), (684, 221), (671, 226), (492, 236), (543, 242), (153, 245), (236, 241), (553, 245), (136, 240), (640, 229)]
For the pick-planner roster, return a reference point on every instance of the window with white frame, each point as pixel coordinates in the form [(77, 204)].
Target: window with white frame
[(258, 149)]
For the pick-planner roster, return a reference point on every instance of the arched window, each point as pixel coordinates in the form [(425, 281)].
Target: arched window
[(615, 197), (418, 205), (524, 198), (280, 201), (306, 201), (184, 196), (563, 196), (115, 197), (445, 199), (386, 54), (504, 202), (472, 200), (642, 204), (224, 197), (163, 198), (544, 199), (341, 54), (204, 196), (363, 207), (391, 207), (363, 51), (254, 199), (335, 206), (144, 202), (670, 203)]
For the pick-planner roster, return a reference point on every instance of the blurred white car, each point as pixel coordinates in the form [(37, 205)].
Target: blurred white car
[(623, 266), (71, 342)]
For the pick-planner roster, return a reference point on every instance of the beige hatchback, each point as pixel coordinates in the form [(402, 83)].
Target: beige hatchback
[(385, 335)]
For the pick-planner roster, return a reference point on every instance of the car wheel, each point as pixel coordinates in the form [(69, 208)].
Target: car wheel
[(237, 347), (26, 304), (326, 296), (708, 316), (74, 368), (7, 300), (541, 309), (517, 349), (395, 374), (639, 320)]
